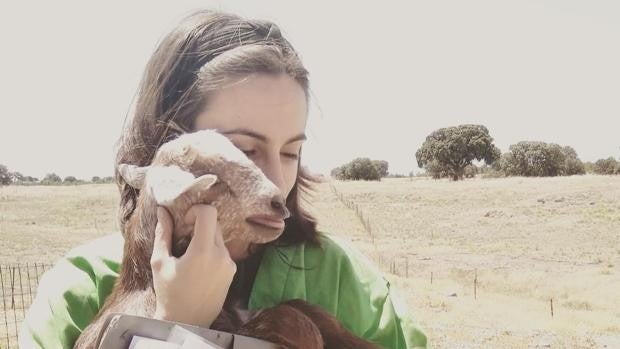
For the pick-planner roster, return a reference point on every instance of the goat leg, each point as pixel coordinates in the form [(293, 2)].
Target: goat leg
[(286, 326)]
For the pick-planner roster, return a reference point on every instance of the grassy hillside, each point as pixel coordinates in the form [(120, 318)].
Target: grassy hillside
[(520, 242)]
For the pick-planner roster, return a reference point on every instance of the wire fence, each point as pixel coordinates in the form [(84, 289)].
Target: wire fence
[(18, 285), (359, 212), (400, 265)]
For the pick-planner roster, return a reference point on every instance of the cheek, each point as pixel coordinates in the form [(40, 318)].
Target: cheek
[(290, 178)]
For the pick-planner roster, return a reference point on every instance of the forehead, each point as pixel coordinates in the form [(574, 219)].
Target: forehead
[(272, 105)]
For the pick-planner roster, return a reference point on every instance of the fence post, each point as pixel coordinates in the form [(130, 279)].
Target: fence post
[(29, 283), (551, 302), (13, 299), (407, 267), (21, 288), (4, 309), (13, 287), (36, 271), (476, 285)]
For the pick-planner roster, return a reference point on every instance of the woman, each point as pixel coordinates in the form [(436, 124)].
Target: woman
[(243, 78)]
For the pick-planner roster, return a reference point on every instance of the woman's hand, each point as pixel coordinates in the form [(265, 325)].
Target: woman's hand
[(191, 289)]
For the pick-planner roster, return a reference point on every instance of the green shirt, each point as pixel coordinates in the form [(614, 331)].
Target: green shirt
[(334, 276)]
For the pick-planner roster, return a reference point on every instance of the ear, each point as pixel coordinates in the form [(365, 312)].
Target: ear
[(169, 182), (132, 174), (202, 183)]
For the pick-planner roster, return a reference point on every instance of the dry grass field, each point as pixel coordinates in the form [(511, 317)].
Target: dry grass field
[(41, 223), (521, 241), (525, 240)]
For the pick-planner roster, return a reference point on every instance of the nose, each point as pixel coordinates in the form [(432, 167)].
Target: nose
[(278, 204), (272, 168)]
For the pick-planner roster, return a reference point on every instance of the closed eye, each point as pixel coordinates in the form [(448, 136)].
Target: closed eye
[(252, 152), (249, 152), (291, 156)]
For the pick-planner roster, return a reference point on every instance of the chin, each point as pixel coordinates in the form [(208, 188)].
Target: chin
[(262, 235), (253, 234)]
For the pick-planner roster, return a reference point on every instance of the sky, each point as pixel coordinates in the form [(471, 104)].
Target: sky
[(383, 74)]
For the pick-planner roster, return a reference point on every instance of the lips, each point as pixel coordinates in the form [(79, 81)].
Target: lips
[(271, 222)]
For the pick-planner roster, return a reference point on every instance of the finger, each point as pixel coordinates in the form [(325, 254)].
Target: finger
[(219, 238), (190, 216), (204, 228), (162, 243), (224, 257), (232, 266)]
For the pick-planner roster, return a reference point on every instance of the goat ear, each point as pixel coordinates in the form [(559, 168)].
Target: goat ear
[(202, 183), (168, 182), (132, 174)]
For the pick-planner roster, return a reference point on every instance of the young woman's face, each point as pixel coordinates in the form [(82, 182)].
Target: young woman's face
[(264, 116)]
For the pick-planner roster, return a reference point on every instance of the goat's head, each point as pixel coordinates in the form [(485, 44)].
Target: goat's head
[(205, 167)]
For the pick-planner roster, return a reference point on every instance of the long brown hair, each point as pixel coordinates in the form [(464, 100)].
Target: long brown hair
[(204, 52)]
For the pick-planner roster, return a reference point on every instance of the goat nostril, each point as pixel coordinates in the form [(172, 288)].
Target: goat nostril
[(277, 203)]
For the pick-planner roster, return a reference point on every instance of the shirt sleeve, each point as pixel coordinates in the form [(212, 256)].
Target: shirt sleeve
[(369, 306), (392, 327), (70, 294)]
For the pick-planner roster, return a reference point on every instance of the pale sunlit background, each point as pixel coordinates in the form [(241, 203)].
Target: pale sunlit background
[(384, 75)]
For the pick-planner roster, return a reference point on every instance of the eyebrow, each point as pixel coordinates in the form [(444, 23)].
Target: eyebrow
[(260, 137)]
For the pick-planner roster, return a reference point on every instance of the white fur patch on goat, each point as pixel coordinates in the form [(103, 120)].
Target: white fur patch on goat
[(207, 143), (167, 183)]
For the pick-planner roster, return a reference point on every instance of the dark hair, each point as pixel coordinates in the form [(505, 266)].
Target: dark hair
[(205, 51)]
